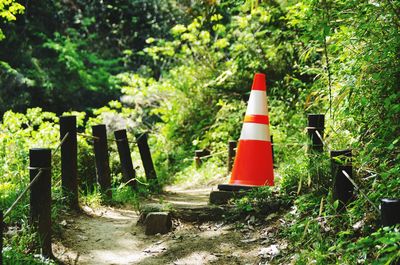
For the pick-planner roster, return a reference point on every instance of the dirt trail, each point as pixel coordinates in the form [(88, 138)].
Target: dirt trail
[(178, 197), (111, 236)]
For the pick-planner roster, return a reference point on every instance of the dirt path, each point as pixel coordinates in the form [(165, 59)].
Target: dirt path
[(111, 236), (178, 197)]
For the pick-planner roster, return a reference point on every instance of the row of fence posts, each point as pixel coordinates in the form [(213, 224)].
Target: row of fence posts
[(40, 160), (344, 186), (341, 169)]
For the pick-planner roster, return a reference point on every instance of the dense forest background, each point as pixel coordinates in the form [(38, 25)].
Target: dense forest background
[(182, 71)]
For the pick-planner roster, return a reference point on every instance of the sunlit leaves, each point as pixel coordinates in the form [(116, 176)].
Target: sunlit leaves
[(10, 8), (178, 29), (8, 11), (221, 43), (216, 17)]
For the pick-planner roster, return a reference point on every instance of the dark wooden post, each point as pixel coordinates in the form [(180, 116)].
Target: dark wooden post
[(231, 154), (316, 122), (102, 159), (1, 236), (343, 189), (390, 212), (145, 155), (197, 155), (128, 172), (40, 196), (69, 160)]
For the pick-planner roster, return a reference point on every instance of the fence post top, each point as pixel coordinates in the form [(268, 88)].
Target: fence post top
[(68, 122), (68, 117), (142, 134), (390, 200), (120, 133), (345, 152), (38, 149), (315, 115), (316, 120), (120, 130), (99, 125)]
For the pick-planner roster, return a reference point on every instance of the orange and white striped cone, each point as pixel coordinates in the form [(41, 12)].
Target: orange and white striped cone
[(253, 164)]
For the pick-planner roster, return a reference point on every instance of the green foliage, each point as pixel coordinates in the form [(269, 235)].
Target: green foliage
[(384, 242), (209, 170), (8, 11), (323, 234), (19, 248), (63, 56), (19, 133), (254, 200), (125, 195)]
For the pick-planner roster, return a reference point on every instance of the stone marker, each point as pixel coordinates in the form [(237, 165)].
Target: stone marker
[(157, 222)]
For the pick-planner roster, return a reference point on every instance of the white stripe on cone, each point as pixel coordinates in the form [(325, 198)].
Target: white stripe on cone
[(257, 104), (255, 131)]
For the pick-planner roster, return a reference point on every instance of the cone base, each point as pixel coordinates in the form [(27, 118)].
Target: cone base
[(253, 164), (230, 187)]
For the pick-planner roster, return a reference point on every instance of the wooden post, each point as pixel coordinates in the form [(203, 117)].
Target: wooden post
[(1, 236), (316, 122), (69, 160), (102, 159), (231, 154), (343, 189), (390, 212), (145, 155), (128, 172), (40, 196), (197, 155)]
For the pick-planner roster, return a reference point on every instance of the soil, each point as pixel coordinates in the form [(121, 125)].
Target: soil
[(109, 235)]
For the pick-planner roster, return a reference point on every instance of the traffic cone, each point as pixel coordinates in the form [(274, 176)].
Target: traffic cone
[(253, 164)]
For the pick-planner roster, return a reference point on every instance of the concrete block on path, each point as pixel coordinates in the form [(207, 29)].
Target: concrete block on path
[(158, 222)]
